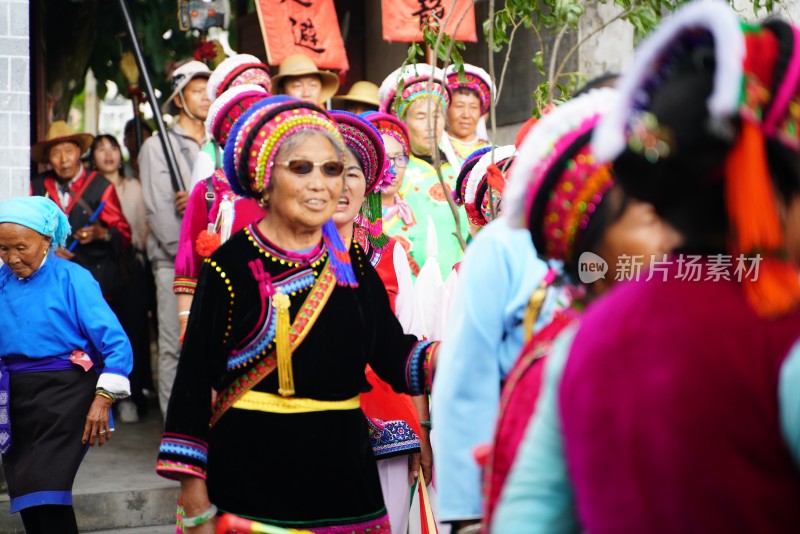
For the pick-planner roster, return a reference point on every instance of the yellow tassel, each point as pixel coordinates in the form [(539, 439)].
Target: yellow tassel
[(532, 310), (280, 302)]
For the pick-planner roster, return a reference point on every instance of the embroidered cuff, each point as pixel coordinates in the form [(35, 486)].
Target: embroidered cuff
[(181, 454), (392, 438), (184, 285), (171, 470), (115, 383), (419, 375)]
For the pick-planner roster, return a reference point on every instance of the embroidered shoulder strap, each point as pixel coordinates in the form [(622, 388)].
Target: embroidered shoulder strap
[(302, 324)]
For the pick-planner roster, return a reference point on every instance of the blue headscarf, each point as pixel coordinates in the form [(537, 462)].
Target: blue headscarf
[(39, 214)]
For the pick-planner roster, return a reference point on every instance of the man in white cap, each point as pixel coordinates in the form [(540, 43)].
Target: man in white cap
[(165, 205)]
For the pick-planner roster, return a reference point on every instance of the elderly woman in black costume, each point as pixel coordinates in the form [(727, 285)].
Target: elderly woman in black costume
[(284, 322)]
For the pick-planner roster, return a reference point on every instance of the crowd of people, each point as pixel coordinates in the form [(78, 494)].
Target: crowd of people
[(361, 303)]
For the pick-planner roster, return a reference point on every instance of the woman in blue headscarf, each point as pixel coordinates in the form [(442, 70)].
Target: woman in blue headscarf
[(56, 328)]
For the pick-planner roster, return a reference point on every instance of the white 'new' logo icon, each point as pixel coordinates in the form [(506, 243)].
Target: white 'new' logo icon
[(591, 267)]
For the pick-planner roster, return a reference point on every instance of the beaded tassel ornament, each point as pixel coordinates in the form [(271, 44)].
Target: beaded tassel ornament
[(283, 350), (339, 256)]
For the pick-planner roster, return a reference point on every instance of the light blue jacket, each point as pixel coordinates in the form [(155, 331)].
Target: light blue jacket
[(482, 341)]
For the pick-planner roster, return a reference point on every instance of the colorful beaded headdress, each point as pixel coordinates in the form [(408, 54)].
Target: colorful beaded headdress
[(476, 79), (480, 206), (391, 126), (413, 82), (241, 69), (254, 142), (365, 141), (258, 135), (226, 110), (463, 175), (555, 169), (754, 97)]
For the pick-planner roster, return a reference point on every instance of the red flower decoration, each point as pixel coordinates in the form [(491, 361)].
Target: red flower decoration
[(207, 243), (204, 51)]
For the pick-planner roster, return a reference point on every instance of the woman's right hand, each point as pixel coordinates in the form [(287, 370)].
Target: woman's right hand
[(194, 496)]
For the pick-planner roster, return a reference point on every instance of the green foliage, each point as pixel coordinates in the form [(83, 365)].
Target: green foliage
[(554, 17), (152, 21), (448, 50), (83, 34)]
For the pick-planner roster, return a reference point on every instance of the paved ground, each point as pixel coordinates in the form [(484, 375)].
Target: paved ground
[(117, 487), (166, 529)]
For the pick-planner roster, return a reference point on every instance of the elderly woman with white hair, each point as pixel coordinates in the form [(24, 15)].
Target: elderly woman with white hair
[(57, 328)]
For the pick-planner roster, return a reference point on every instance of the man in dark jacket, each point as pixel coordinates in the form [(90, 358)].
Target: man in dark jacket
[(102, 233)]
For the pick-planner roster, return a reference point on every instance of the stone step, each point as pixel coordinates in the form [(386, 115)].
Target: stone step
[(117, 487), (156, 529)]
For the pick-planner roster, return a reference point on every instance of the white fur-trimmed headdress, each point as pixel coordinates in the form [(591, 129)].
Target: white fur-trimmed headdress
[(485, 174), (413, 81), (715, 16), (477, 80), (236, 70), (226, 110), (538, 150)]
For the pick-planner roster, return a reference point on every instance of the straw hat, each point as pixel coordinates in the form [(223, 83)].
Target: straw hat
[(59, 132), (180, 79), (301, 65), (362, 92)]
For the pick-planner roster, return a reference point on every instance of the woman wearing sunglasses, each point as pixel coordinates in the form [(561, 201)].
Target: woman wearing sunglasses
[(284, 321), (398, 442)]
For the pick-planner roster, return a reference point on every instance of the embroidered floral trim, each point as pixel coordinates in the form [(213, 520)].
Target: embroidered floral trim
[(390, 438)]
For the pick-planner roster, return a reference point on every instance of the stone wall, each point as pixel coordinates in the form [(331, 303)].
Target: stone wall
[(14, 98)]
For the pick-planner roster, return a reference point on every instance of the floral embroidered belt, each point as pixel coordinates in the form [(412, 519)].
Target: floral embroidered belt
[(268, 402)]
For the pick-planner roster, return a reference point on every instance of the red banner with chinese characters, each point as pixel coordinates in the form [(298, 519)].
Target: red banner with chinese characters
[(307, 27), (403, 20)]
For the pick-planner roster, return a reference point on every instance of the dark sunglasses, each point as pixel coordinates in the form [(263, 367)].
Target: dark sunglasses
[(301, 167)]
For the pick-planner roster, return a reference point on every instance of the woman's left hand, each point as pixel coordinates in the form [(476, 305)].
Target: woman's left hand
[(426, 456), (97, 427), (92, 232)]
